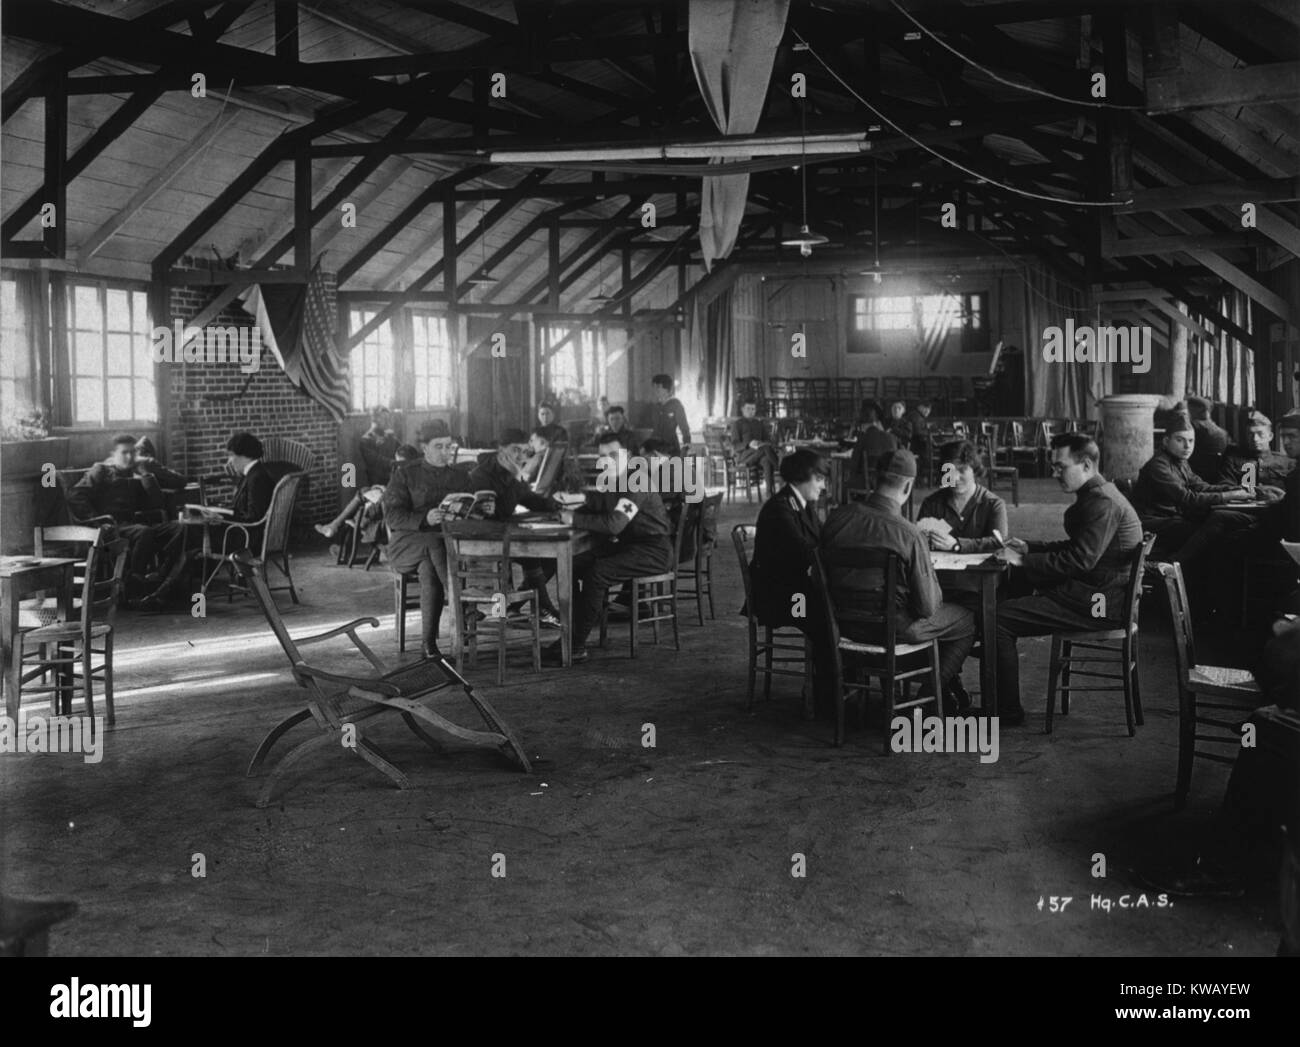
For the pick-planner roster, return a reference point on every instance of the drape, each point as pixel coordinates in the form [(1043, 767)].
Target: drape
[(732, 45), (1057, 390)]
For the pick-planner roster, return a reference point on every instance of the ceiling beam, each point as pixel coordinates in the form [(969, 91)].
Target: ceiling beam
[(1254, 85)]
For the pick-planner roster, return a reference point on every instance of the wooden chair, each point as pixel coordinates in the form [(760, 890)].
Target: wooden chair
[(779, 397), (67, 650), (1021, 446), (1117, 646), (338, 713), (406, 597), (1209, 696), (349, 542), (773, 641), (989, 441), (66, 540), (648, 593), (273, 547), (874, 661), (1046, 431), (846, 398), (477, 582), (722, 463), (702, 528)]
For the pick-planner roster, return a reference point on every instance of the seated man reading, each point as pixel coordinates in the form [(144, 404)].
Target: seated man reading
[(1064, 577), (922, 615), (752, 443), (633, 530), (1256, 466)]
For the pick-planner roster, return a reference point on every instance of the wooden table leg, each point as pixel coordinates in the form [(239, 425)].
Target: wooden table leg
[(989, 638), (9, 639), (564, 585)]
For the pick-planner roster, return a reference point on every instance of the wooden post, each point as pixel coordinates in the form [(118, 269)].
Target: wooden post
[(55, 237), (302, 223)]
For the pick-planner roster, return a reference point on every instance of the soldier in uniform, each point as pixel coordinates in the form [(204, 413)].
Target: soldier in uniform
[(1065, 577), (503, 474), (1211, 440), (751, 443), (878, 523), (1257, 465), (616, 425), (670, 416), (873, 443), (634, 532), (414, 520)]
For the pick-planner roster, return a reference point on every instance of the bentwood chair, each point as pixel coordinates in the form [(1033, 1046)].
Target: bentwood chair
[(1117, 646), (653, 598), (340, 704), (890, 661), (773, 641), (484, 608), (74, 653), (269, 536), (1213, 698), (697, 549)]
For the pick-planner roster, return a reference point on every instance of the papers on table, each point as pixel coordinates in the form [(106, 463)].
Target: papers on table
[(957, 561), (570, 499)]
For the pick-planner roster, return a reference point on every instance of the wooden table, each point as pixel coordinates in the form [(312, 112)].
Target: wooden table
[(22, 577), (989, 570), (542, 542)]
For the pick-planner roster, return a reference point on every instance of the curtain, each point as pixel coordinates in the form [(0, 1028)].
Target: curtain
[(732, 45), (1057, 390)]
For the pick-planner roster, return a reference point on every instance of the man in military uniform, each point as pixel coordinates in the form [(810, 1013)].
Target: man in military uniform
[(670, 416), (1211, 440), (634, 532), (872, 444), (616, 426), (379, 447), (878, 524), (1065, 577), (751, 444), (502, 473), (1257, 465), (1177, 506), (411, 502), (134, 499)]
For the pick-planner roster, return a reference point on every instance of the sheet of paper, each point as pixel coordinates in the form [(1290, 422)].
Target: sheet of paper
[(956, 561)]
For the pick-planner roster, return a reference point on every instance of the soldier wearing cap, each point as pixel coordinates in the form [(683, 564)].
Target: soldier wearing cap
[(1211, 440), (1065, 577), (1283, 519), (1178, 507), (1270, 468), (878, 524), (411, 510)]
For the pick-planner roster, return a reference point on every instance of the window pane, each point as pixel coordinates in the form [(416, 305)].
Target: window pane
[(119, 354), (146, 405), (119, 399), (86, 301), (88, 405), (89, 355), (140, 312), (118, 304)]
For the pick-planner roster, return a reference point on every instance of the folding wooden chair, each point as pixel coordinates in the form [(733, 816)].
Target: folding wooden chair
[(339, 713)]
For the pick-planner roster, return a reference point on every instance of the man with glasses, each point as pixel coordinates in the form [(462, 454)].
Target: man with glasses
[(411, 502), (1054, 585)]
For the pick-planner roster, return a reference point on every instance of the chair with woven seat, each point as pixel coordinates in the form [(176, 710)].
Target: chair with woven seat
[(283, 456), (339, 713), (1209, 696), (67, 650), (778, 645), (272, 545), (1022, 445), (653, 598), (481, 599), (879, 614), (697, 549), (1116, 645)]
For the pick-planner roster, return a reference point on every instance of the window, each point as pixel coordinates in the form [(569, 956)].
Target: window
[(15, 353), (371, 363), (432, 351), (110, 348), (575, 370), (924, 322)]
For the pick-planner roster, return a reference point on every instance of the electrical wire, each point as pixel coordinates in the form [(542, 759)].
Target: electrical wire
[(948, 160), (1003, 80)]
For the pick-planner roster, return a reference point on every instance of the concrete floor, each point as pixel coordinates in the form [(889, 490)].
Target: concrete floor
[(609, 847)]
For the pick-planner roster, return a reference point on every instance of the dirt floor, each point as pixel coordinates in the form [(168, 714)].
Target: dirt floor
[(609, 847)]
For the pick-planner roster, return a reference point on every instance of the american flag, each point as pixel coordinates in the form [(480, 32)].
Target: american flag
[(298, 327), (937, 326)]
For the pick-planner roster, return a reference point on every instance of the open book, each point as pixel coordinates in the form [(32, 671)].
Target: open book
[(211, 512), (481, 505)]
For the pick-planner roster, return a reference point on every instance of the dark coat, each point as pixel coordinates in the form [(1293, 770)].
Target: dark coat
[(786, 537), (107, 490), (491, 475), (253, 495)]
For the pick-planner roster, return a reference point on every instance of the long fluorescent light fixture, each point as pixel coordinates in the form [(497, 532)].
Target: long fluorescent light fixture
[(785, 145)]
